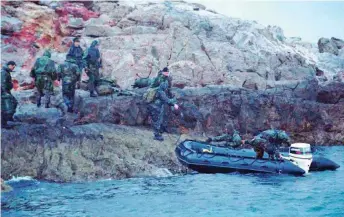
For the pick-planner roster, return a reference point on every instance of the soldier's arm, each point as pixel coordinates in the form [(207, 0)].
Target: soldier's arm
[(164, 98), (85, 58), (3, 81), (59, 73), (77, 72), (53, 71), (10, 84), (155, 82), (71, 52), (33, 70)]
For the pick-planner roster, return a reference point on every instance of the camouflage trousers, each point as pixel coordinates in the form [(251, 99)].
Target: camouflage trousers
[(44, 85), (269, 148), (93, 75), (68, 93), (159, 115), (8, 107)]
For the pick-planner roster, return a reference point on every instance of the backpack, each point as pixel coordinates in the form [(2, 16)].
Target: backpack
[(150, 95)]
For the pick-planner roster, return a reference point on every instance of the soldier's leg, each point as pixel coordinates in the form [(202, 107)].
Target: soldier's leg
[(39, 97), (48, 90), (270, 151), (72, 95), (47, 96), (96, 80), (3, 120), (155, 113), (259, 152), (165, 116), (91, 84)]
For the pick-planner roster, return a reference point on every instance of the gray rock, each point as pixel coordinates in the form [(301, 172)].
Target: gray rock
[(101, 31), (10, 25), (338, 42), (140, 30), (327, 45), (87, 152), (29, 113), (76, 23)]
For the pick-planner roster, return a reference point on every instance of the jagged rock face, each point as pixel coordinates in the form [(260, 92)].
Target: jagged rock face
[(88, 152), (94, 144), (201, 47), (309, 112), (328, 46)]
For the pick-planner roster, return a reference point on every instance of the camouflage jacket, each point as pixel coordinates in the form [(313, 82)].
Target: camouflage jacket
[(160, 79), (92, 56), (161, 97), (69, 72), (6, 79), (76, 53), (44, 66), (275, 137)]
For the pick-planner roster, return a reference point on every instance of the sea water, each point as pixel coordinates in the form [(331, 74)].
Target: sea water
[(237, 195)]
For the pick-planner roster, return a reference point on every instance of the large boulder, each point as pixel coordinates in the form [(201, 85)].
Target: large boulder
[(338, 42), (87, 152), (10, 25), (328, 46), (332, 93), (29, 113), (101, 31)]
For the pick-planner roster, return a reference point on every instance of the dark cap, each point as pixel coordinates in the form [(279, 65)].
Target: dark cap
[(11, 63), (165, 69), (76, 40)]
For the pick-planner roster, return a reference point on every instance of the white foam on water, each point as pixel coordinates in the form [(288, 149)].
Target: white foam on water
[(20, 178)]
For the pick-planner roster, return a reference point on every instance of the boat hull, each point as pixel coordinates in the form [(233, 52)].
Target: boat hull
[(205, 158)]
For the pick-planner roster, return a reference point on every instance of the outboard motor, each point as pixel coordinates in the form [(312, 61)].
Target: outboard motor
[(300, 154)]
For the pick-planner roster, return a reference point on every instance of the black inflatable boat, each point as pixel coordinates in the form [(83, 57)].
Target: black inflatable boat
[(206, 158)]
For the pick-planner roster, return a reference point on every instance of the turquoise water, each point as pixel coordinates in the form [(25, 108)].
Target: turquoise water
[(317, 194)]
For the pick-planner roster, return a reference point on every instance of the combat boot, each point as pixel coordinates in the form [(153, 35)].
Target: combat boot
[(38, 101), (158, 137)]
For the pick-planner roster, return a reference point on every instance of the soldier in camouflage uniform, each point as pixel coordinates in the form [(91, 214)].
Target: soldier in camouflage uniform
[(8, 102), (44, 73), (157, 108), (93, 63), (270, 141), (69, 72), (226, 139), (160, 78), (75, 52)]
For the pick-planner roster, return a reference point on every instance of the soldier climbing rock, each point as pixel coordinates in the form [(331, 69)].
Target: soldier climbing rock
[(8, 102), (157, 107), (93, 63), (69, 73), (44, 73)]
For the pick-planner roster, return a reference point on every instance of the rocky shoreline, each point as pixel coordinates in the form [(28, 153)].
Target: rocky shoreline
[(109, 137), (227, 73)]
